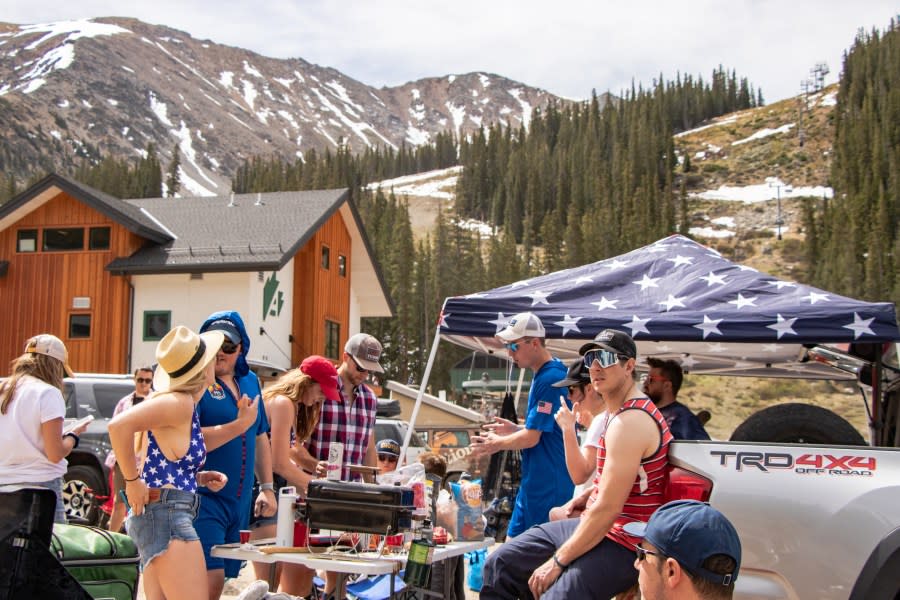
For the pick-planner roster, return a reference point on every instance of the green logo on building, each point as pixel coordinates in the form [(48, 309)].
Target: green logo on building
[(273, 298)]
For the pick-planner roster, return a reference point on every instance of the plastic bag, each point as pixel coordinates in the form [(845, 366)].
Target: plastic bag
[(447, 512), (469, 522), (475, 569)]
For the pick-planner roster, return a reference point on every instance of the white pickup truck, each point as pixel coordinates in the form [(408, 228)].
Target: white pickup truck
[(818, 521)]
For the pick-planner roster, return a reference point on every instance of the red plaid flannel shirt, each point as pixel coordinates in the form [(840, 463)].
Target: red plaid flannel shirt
[(348, 422)]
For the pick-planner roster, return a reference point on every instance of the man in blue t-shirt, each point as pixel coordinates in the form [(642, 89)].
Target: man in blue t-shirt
[(661, 385), (545, 480), (235, 430)]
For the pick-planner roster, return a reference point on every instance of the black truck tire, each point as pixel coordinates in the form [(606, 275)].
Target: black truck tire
[(80, 484), (796, 423)]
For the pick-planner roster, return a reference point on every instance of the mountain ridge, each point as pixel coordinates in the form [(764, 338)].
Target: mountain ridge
[(109, 86)]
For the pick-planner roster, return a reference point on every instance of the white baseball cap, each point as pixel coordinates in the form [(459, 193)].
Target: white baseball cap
[(52, 346), (522, 325)]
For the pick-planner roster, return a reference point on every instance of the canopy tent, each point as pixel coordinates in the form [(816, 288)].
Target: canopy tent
[(679, 300)]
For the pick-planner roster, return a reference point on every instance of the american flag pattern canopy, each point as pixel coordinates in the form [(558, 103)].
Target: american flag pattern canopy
[(681, 300)]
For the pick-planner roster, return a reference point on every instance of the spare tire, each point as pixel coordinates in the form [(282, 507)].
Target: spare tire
[(796, 423)]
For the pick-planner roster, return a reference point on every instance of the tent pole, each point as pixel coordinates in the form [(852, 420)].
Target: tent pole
[(419, 396)]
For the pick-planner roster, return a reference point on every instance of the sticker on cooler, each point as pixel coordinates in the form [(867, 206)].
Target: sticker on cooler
[(335, 461)]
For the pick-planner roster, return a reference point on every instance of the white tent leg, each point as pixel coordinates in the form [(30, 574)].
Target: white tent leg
[(419, 396)]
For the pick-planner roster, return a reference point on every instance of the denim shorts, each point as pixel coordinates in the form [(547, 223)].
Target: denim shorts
[(171, 518)]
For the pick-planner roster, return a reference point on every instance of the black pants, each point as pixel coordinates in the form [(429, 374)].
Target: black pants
[(605, 570)]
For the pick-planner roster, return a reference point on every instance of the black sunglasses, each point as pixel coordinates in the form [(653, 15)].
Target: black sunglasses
[(388, 457), (229, 347), (643, 552), (143, 380), (357, 365)]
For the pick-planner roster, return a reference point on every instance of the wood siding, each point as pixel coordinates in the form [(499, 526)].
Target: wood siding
[(37, 292), (321, 294)]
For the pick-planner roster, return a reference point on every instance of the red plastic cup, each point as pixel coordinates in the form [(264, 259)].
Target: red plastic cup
[(245, 536), (394, 541)]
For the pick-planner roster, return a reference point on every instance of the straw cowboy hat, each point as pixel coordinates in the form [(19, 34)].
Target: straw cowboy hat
[(182, 354)]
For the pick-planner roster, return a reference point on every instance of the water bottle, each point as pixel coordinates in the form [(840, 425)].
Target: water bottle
[(284, 523)]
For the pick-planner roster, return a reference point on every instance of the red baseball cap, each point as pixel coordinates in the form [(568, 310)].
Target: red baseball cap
[(323, 372)]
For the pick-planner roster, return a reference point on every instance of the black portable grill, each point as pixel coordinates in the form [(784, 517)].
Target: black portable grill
[(359, 507)]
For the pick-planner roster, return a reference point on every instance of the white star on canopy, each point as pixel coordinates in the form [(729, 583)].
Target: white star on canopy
[(681, 260), (672, 302), (539, 297), (783, 326), (741, 302), (647, 282), (860, 326), (500, 322), (815, 297), (568, 324), (713, 278), (709, 326), (637, 325), (604, 303)]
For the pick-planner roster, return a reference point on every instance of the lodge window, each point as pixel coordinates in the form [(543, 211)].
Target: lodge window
[(98, 238), (332, 339), (26, 240), (63, 239), (157, 324), (326, 257), (79, 326), (342, 265)]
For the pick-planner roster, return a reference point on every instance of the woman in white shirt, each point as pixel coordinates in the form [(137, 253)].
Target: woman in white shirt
[(33, 448)]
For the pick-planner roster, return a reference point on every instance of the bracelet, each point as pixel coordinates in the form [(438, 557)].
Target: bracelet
[(559, 564), (74, 437), (267, 486), (136, 477)]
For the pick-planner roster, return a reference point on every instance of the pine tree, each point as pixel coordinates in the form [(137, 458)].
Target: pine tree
[(173, 173)]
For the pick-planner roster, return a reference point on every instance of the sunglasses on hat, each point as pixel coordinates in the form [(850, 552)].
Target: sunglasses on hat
[(229, 347), (604, 358)]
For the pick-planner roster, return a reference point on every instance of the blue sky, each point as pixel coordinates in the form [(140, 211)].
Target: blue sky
[(567, 47)]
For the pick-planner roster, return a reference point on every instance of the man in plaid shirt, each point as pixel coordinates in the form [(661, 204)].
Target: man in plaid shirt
[(351, 421)]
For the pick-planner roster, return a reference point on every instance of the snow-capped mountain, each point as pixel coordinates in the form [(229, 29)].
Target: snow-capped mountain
[(110, 86)]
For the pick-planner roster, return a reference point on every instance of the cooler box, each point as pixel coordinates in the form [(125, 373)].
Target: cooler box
[(359, 507), (106, 564)]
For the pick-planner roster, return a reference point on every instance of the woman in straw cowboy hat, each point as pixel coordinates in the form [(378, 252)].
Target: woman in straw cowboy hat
[(33, 448), (161, 493)]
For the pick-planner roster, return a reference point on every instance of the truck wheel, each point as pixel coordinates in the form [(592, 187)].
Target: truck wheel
[(80, 484), (796, 423)]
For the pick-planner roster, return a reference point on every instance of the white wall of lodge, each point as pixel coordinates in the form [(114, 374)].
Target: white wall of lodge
[(191, 301)]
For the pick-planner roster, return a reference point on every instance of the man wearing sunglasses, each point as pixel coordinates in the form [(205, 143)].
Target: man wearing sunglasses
[(688, 550), (235, 428), (590, 556), (351, 420), (661, 385), (545, 481), (143, 378)]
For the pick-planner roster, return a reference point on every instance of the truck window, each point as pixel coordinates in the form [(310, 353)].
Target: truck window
[(107, 395)]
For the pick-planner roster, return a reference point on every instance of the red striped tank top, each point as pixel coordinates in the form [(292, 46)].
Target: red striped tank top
[(649, 485)]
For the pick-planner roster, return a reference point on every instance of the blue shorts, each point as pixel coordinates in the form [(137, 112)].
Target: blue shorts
[(170, 518), (220, 522)]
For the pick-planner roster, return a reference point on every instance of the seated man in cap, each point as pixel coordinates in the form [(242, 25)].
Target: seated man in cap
[(688, 550), (661, 385), (388, 452), (590, 556), (545, 483)]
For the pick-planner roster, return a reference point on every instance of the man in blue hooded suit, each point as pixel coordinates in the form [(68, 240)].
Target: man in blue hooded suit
[(235, 429)]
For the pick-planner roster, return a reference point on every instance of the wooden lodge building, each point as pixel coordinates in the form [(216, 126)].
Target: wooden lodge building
[(110, 277)]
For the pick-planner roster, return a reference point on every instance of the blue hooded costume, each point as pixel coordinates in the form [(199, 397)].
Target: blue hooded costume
[(223, 514)]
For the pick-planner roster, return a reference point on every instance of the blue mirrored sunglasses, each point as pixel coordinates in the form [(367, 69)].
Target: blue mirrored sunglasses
[(604, 357)]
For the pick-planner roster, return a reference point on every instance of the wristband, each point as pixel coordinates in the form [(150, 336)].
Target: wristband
[(74, 437), (267, 486), (559, 564)]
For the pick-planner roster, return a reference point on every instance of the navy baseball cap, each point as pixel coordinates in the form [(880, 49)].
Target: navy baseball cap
[(690, 532), (578, 374)]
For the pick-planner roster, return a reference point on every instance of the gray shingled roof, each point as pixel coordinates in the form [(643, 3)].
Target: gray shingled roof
[(249, 232), (129, 216)]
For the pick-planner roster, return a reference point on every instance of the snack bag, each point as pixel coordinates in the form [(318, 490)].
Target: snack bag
[(469, 522)]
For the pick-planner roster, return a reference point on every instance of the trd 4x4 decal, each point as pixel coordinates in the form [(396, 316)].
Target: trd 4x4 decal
[(812, 464)]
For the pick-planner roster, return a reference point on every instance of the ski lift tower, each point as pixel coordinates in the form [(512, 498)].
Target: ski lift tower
[(778, 184)]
